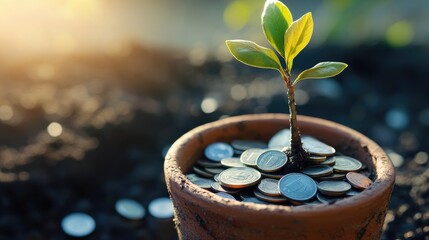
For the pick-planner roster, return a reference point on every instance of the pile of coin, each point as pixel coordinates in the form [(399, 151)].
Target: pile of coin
[(254, 171)]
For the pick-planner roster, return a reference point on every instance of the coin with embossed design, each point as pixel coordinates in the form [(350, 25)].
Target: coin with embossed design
[(269, 187), (271, 161), (297, 186), (344, 164), (239, 177)]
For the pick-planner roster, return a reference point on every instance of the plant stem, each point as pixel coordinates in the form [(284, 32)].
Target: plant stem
[(297, 153)]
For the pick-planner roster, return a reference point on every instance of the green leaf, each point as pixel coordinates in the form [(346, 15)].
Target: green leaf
[(276, 18), (297, 37), (322, 70), (254, 55)]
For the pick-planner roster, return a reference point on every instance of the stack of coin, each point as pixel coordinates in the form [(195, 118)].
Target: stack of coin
[(253, 171)]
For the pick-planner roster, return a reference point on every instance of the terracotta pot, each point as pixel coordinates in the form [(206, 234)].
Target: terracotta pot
[(200, 214)]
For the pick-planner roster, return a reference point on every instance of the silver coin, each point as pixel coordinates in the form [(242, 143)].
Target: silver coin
[(269, 187), (271, 199), (326, 199), (225, 195), (333, 188), (271, 161), (247, 144), (192, 176), (161, 208), (334, 176), (239, 177), (201, 172), (275, 175), (216, 177), (204, 183), (250, 156), (344, 164), (316, 159), (214, 171), (246, 194), (316, 147), (352, 192), (130, 209), (208, 163), (318, 171), (218, 151), (280, 139), (298, 187), (78, 224), (219, 188), (329, 161), (232, 162)]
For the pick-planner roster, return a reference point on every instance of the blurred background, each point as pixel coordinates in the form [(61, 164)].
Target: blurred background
[(92, 94)]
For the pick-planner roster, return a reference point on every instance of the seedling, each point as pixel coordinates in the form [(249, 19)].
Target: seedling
[(288, 38)]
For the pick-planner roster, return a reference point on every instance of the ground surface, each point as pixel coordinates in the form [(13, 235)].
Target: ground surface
[(120, 113)]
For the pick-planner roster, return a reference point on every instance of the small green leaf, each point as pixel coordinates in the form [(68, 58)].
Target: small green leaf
[(254, 55), (276, 18), (297, 37), (322, 70)]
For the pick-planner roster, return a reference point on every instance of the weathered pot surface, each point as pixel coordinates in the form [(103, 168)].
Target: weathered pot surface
[(200, 214)]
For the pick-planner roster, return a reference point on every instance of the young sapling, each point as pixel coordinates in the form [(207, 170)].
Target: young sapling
[(288, 38)]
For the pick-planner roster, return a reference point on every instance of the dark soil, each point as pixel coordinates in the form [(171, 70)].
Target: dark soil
[(120, 113)]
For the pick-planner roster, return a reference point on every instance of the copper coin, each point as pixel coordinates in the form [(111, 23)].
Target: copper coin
[(358, 180)]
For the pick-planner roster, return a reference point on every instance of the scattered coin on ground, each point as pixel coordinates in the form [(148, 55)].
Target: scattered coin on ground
[(161, 208), (130, 209), (78, 224)]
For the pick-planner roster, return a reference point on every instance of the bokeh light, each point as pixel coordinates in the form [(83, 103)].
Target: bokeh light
[(54, 129)]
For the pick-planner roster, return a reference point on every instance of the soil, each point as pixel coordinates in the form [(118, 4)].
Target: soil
[(119, 114)]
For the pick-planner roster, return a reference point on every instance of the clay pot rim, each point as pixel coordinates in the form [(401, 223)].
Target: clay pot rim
[(385, 172)]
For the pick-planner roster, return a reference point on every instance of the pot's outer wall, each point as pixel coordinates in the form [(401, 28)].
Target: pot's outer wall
[(200, 214)]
